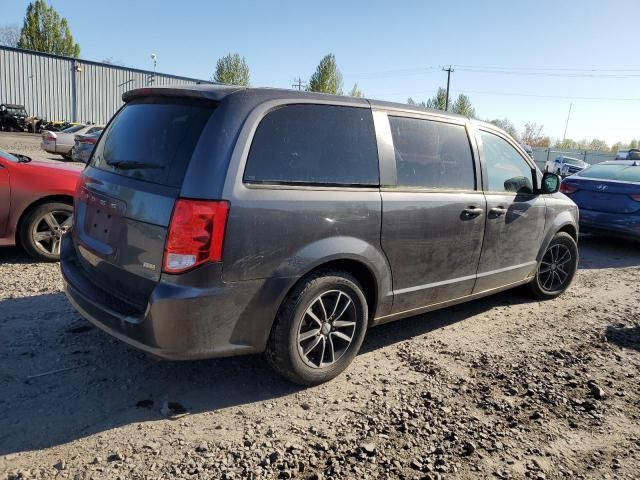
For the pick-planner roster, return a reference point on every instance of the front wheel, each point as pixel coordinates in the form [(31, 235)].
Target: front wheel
[(557, 267), (42, 229), (319, 328)]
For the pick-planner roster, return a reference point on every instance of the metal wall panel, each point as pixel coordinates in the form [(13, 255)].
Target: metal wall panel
[(62, 88)]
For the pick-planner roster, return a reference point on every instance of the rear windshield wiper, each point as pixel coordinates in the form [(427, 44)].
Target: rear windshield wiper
[(124, 165)]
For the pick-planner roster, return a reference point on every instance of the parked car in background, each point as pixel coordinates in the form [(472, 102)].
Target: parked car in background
[(36, 200), (58, 126), (62, 142), (565, 166), (13, 117), (83, 146), (608, 196), (528, 149), (217, 220), (34, 124), (627, 154)]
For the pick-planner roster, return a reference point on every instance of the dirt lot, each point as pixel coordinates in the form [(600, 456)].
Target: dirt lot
[(502, 387)]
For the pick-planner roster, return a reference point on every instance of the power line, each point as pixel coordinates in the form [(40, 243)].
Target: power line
[(587, 72), (547, 74), (590, 69), (513, 94)]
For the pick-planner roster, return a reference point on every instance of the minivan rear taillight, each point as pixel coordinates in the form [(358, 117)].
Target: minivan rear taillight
[(196, 234)]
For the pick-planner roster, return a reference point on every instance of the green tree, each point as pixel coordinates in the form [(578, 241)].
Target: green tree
[(411, 101), (356, 92), (327, 77), (232, 69), (9, 35), (46, 31), (633, 144), (506, 125), (463, 106), (439, 100)]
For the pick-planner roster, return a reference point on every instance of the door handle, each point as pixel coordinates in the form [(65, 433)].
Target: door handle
[(498, 211), (471, 212)]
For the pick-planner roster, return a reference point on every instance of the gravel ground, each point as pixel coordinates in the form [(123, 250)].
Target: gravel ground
[(502, 387), (26, 144)]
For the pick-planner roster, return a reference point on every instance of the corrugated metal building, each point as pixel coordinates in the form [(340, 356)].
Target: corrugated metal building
[(68, 89)]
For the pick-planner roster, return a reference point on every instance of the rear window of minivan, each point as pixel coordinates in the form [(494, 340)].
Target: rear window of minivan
[(152, 139), (314, 145)]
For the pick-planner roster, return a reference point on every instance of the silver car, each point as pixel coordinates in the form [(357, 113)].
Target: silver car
[(83, 146), (62, 142), (565, 166)]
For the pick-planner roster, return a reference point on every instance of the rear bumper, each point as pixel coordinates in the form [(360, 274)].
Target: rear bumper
[(48, 147), (627, 225), (181, 321), (81, 154)]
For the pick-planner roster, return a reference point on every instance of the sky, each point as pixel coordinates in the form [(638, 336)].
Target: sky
[(525, 61)]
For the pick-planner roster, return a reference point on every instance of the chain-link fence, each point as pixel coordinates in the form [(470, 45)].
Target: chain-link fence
[(542, 155)]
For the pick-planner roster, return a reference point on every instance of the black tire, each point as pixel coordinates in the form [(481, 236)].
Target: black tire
[(544, 288), (31, 222), (283, 350)]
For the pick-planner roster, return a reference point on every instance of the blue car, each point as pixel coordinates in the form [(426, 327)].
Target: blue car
[(608, 197)]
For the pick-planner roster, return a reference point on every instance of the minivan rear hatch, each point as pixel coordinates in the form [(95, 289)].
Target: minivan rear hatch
[(126, 195)]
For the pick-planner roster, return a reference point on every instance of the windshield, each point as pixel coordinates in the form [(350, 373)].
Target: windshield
[(8, 156), (16, 111), (73, 129), (612, 171), (152, 140), (573, 161)]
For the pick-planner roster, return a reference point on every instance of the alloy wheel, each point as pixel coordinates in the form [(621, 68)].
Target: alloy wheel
[(327, 329), (48, 230), (554, 270)]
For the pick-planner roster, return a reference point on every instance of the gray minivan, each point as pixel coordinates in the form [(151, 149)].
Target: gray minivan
[(215, 221)]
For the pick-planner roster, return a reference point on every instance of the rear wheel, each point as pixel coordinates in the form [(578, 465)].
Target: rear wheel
[(319, 328), (42, 229), (557, 267)]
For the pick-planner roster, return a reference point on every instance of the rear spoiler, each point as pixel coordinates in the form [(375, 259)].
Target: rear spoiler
[(201, 92)]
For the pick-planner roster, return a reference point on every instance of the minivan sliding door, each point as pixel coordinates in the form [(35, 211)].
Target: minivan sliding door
[(433, 216)]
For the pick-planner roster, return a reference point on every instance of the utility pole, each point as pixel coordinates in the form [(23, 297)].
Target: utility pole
[(299, 83), (564, 137), (448, 70)]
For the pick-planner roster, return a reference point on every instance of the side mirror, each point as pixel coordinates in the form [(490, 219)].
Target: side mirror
[(520, 185), (550, 183)]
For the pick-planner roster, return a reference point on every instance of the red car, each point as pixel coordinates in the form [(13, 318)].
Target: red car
[(36, 203)]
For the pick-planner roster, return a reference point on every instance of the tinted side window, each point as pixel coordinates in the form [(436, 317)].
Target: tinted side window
[(432, 154), (314, 144), (506, 169)]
